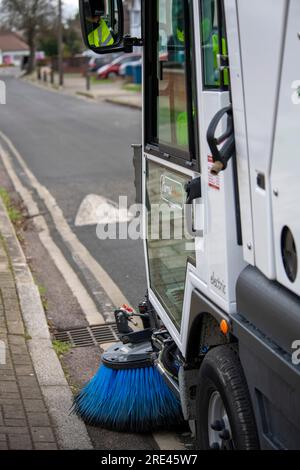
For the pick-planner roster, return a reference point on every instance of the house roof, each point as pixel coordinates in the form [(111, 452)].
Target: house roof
[(10, 42)]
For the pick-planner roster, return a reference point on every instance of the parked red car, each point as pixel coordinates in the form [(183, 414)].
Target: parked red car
[(112, 70), (96, 62)]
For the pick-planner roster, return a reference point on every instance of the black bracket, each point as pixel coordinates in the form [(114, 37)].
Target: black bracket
[(122, 321), (127, 335), (223, 62), (193, 190), (129, 43)]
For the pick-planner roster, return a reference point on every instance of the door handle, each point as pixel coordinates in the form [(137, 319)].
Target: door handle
[(193, 191), (221, 156)]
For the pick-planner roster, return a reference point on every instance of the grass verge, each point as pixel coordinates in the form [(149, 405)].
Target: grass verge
[(13, 213), (61, 347), (135, 88)]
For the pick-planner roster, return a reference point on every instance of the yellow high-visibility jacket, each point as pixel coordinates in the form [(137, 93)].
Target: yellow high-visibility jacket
[(101, 36)]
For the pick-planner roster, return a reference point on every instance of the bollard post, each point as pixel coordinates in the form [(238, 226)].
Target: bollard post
[(52, 76), (39, 75), (45, 77), (88, 81)]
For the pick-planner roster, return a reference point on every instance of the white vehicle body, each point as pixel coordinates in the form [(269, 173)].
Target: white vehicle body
[(263, 47)]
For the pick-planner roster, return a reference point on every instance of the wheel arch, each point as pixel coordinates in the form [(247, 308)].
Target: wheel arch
[(204, 327)]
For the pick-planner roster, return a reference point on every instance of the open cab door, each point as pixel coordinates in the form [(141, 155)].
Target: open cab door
[(174, 220), (187, 103)]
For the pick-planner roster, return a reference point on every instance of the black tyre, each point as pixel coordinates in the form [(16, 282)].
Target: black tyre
[(225, 418)]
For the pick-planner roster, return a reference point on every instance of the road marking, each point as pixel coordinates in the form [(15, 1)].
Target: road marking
[(96, 210), (168, 441), (85, 301), (79, 252)]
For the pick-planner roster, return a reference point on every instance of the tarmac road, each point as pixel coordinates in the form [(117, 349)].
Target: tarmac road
[(76, 148)]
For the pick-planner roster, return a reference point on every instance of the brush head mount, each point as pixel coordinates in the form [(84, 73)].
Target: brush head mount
[(129, 356)]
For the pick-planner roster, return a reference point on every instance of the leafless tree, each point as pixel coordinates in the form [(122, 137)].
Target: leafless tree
[(28, 17)]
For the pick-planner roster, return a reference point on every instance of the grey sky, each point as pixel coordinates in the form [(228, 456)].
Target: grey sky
[(70, 7)]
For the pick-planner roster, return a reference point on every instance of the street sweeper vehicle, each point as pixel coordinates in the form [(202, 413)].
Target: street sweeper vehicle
[(218, 173)]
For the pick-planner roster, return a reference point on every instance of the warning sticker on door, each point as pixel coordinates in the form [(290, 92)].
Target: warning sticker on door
[(213, 180)]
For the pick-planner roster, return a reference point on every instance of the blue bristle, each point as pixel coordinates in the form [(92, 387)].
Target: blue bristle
[(133, 400)]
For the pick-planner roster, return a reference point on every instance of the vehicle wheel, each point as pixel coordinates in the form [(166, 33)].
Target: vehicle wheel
[(112, 75), (225, 418)]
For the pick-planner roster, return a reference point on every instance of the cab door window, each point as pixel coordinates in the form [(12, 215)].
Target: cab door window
[(171, 87), (172, 92), (214, 45)]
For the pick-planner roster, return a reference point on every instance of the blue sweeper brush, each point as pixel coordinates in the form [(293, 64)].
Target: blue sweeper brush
[(128, 394)]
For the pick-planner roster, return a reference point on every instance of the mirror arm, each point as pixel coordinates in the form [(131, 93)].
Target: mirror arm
[(129, 43)]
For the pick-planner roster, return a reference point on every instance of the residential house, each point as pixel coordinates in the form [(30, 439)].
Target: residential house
[(13, 49), (133, 17)]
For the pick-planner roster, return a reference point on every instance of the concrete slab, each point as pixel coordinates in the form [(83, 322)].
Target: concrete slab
[(72, 432), (45, 359), (32, 310)]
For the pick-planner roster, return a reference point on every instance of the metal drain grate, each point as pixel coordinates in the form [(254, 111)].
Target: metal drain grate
[(89, 336)]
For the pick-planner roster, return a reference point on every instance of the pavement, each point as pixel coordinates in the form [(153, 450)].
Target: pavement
[(24, 419), (35, 398), (103, 91)]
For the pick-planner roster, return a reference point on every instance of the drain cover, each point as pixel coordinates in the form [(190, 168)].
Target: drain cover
[(89, 336)]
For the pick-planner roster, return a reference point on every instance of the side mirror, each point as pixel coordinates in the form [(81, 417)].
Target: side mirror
[(102, 24)]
